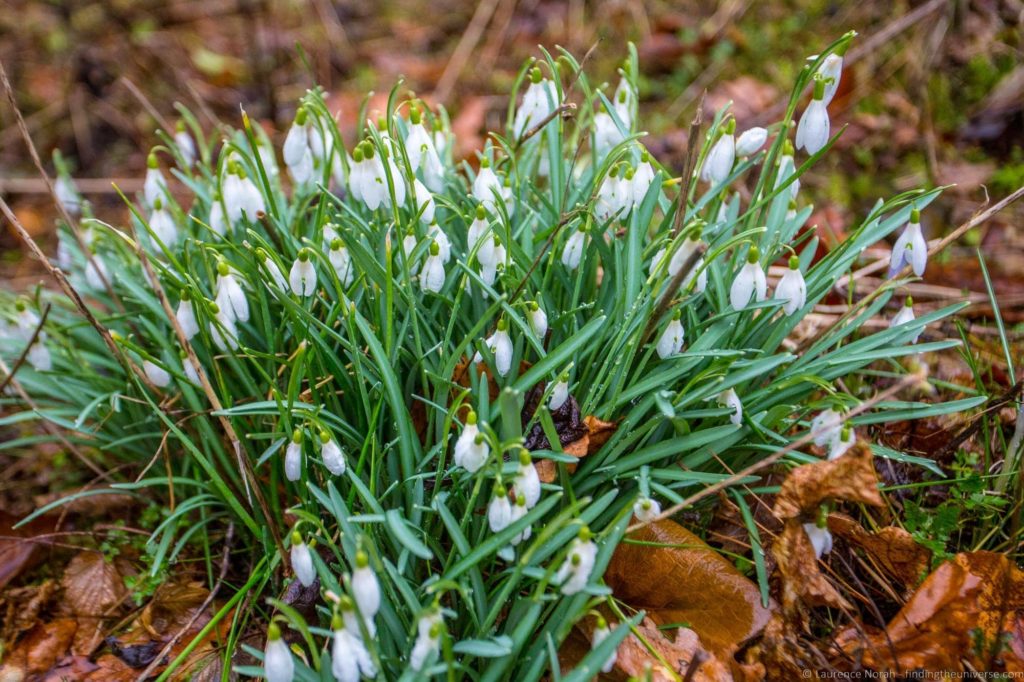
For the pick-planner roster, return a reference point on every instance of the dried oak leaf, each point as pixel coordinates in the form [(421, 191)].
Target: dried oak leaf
[(851, 477), (172, 607), (893, 548), (677, 578), (969, 609), (803, 583)]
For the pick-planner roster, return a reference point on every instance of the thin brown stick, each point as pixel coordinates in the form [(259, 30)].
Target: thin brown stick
[(24, 353), (224, 564), (567, 110), (775, 456), (467, 43), (689, 167), (147, 105), (696, 661)]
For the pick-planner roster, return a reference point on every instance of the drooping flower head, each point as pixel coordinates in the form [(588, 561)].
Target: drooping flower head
[(278, 665), (750, 281), (792, 288), (718, 163), (471, 449), (302, 560), (910, 248), (813, 130)]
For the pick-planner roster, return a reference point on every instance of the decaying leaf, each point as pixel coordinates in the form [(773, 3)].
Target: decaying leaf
[(93, 588), (653, 656), (802, 579), (970, 609), (678, 579), (39, 649), (851, 477), (892, 548), (17, 551), (172, 607)]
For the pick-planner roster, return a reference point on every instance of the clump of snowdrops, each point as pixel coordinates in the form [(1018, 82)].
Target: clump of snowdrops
[(342, 348)]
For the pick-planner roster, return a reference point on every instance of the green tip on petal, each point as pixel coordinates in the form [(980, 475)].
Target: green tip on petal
[(502, 325), (787, 147), (481, 212), (535, 75), (601, 623), (151, 161), (585, 534), (730, 126), (325, 437), (915, 216), (434, 249), (471, 417), (222, 268), (362, 560), (534, 306), (336, 244), (273, 632), (794, 263), (303, 255), (337, 622), (414, 115), (297, 436), (524, 457), (357, 155), (753, 255), (499, 490), (909, 303), (485, 163), (300, 116), (296, 537), (179, 126)]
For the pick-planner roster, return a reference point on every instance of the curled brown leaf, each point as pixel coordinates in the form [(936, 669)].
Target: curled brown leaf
[(851, 477)]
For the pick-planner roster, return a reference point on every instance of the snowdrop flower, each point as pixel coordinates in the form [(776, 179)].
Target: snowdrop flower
[(910, 248), (728, 398), (302, 172), (223, 330), (186, 146), (540, 100), (230, 297), (508, 196), (905, 315), (600, 634), (96, 272), (190, 371), (302, 277), (432, 275), (573, 251), (826, 427), (242, 199), (560, 393), (690, 244), (67, 195), (273, 269), (486, 185), (218, 220), (471, 449), (330, 452), (302, 560), (26, 320), (821, 539), (646, 510), (624, 102), (365, 587), (643, 178), (39, 355), (787, 168), (349, 658), (293, 457), (278, 665), (161, 224), (489, 270), (341, 261), (813, 130), (750, 281), (443, 138), (424, 202), (791, 288), (527, 482), (538, 319), (575, 571), (606, 133), (444, 245), (156, 374), (409, 243), (499, 510), (428, 641), (831, 71), (519, 510), (479, 235), (614, 197), (357, 173), (841, 442), (422, 152), (751, 141), (500, 344), (185, 315), (718, 164), (155, 185), (671, 341), (296, 142)]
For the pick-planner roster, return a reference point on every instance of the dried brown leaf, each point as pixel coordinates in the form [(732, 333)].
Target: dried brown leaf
[(93, 588), (969, 609), (652, 656), (893, 548), (677, 578), (803, 583), (851, 477)]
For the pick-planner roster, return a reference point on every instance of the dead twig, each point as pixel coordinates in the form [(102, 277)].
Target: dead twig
[(24, 353)]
